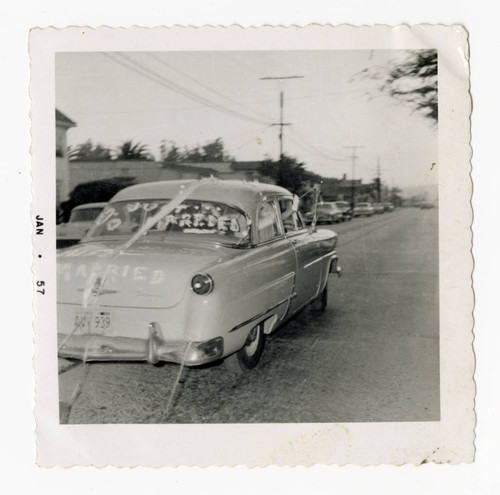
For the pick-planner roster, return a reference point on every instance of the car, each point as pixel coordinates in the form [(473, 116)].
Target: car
[(388, 206), (378, 208), (346, 210), (325, 212), (426, 206), (190, 272), (363, 210), (81, 219)]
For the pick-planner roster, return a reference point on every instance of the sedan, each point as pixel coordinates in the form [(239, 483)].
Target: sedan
[(81, 219), (346, 210), (190, 272), (363, 210), (326, 213)]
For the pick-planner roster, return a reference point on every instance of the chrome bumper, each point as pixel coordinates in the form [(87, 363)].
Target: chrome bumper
[(95, 347)]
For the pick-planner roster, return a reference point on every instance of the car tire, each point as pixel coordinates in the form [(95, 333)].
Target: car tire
[(320, 303), (249, 355)]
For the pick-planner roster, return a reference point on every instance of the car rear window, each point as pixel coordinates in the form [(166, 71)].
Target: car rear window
[(212, 220)]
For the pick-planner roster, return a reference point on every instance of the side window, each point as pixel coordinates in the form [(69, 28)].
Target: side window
[(268, 225), (291, 219)]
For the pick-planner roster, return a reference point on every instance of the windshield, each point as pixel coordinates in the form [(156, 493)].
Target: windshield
[(85, 214), (214, 221)]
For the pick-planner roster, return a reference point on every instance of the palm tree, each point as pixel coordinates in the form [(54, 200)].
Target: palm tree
[(88, 152), (130, 151)]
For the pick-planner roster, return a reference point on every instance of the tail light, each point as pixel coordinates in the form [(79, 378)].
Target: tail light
[(202, 284)]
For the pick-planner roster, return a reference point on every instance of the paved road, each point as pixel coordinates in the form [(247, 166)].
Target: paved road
[(373, 355)]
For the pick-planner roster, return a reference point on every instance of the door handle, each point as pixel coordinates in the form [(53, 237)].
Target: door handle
[(294, 241)]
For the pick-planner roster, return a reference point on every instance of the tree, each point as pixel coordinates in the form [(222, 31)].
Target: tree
[(92, 192), (395, 196), (192, 155), (169, 152), (213, 151), (88, 152), (130, 151), (413, 81), (289, 173)]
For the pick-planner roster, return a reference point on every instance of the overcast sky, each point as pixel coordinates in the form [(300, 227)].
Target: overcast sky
[(195, 97)]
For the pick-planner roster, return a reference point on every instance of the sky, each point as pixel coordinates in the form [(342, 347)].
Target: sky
[(192, 98)]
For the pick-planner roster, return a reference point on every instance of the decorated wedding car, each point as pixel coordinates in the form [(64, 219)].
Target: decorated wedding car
[(190, 272)]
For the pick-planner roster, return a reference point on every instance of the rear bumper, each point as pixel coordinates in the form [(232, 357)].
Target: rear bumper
[(95, 347)]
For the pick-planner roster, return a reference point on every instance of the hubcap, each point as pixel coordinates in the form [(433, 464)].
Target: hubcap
[(252, 341)]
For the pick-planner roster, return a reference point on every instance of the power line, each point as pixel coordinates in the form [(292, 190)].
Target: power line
[(161, 80), (192, 95), (309, 147), (208, 88), (235, 148)]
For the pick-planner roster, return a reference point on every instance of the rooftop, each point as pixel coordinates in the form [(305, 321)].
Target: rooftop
[(63, 120)]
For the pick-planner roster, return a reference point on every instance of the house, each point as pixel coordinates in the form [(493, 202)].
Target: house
[(343, 189), (63, 123), (139, 170)]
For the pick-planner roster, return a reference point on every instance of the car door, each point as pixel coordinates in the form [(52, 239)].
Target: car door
[(307, 253), (272, 263)]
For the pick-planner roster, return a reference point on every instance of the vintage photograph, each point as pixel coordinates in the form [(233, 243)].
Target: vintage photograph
[(249, 236), (207, 203)]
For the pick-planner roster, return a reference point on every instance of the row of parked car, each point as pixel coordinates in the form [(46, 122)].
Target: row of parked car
[(341, 211)]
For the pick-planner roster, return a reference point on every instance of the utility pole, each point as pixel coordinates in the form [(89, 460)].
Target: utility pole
[(353, 158), (378, 181), (281, 124)]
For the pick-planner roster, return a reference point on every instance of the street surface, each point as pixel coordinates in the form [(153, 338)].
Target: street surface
[(373, 355)]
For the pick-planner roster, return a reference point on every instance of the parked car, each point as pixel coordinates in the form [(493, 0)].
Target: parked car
[(363, 210), (190, 272), (426, 206), (325, 212), (378, 208), (388, 206), (346, 210), (80, 221)]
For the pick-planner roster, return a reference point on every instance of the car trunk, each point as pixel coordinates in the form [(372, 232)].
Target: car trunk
[(146, 275)]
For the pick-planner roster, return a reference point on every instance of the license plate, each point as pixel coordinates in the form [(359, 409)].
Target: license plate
[(94, 322)]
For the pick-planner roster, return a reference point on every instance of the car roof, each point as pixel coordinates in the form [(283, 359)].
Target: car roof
[(90, 205), (243, 194)]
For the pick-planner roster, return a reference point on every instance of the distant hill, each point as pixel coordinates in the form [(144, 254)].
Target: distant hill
[(428, 193)]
